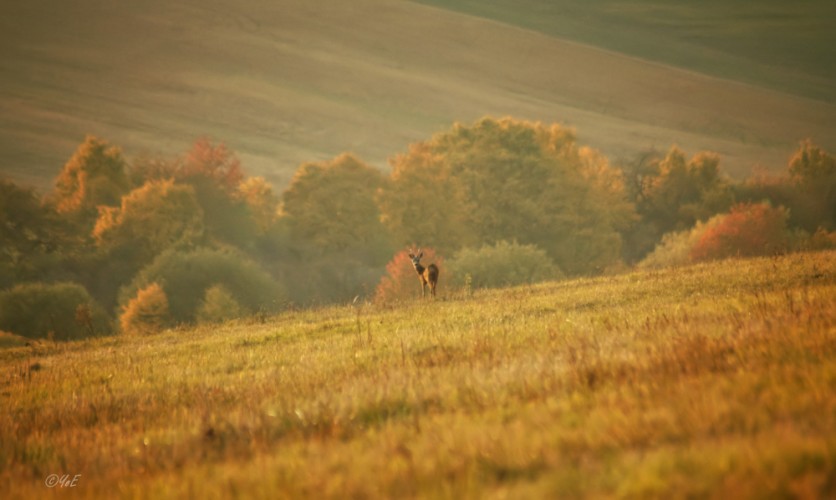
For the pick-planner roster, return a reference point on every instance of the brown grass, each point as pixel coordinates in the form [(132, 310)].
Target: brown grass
[(712, 380)]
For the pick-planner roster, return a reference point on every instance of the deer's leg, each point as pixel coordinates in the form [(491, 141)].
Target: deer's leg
[(423, 289)]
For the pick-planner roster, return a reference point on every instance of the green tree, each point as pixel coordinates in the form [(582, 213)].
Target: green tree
[(334, 224), (672, 193), (186, 275), (94, 176), (508, 180), (62, 311), (502, 264), (813, 172), (680, 192), (31, 234), (218, 305), (331, 207)]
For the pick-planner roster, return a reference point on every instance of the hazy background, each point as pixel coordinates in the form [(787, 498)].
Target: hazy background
[(283, 82)]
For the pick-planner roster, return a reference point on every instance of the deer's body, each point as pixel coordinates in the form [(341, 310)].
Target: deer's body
[(428, 275)]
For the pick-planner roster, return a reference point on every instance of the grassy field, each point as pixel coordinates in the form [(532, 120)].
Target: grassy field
[(287, 82), (712, 380)]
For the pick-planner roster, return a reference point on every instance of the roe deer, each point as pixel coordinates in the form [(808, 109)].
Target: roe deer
[(428, 275)]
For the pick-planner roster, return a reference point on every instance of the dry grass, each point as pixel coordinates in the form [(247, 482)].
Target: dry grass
[(712, 380), (288, 82)]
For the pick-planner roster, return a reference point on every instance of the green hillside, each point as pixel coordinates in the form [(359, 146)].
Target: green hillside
[(711, 380), (288, 82)]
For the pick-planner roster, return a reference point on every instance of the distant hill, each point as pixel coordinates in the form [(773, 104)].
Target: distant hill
[(786, 46), (292, 81)]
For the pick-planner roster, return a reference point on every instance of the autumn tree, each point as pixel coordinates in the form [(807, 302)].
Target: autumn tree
[(807, 188), (813, 172), (145, 168), (508, 180), (263, 203), (679, 192), (215, 173), (150, 219), (94, 176), (672, 193), (747, 230), (331, 206), (332, 218), (147, 312)]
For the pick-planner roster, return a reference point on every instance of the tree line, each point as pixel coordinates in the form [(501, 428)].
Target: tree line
[(142, 244)]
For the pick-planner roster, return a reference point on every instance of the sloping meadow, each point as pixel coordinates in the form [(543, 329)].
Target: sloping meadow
[(711, 379)]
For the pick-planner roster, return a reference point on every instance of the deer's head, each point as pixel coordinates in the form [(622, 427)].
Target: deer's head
[(416, 258)]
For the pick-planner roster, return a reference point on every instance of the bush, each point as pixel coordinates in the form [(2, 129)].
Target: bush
[(502, 264), (747, 230), (61, 311), (186, 276), (401, 282), (675, 247), (147, 312), (219, 305)]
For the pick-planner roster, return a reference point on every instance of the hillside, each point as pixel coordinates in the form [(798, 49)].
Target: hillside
[(287, 82), (789, 47), (711, 380)]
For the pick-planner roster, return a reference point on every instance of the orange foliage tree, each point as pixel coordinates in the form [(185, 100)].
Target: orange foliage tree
[(95, 175), (747, 230), (401, 282)]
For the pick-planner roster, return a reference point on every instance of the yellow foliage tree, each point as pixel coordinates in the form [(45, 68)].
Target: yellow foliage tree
[(507, 179), (151, 219), (331, 205), (147, 312), (263, 203), (95, 175)]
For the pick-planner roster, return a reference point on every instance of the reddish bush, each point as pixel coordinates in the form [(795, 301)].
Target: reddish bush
[(747, 230), (401, 281)]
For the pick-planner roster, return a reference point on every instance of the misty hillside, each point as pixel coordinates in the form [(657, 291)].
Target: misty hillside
[(287, 82)]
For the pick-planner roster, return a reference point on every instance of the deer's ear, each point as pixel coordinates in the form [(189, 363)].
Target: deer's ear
[(420, 254), (411, 256)]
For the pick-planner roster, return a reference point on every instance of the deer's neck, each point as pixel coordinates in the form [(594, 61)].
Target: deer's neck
[(419, 268)]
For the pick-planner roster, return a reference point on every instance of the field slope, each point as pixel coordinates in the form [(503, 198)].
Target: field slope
[(712, 379), (287, 82)]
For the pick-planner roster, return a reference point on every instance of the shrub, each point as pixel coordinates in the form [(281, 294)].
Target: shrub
[(747, 230), (502, 264), (218, 305), (401, 282), (147, 312), (185, 277), (675, 247), (61, 311), (822, 239)]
